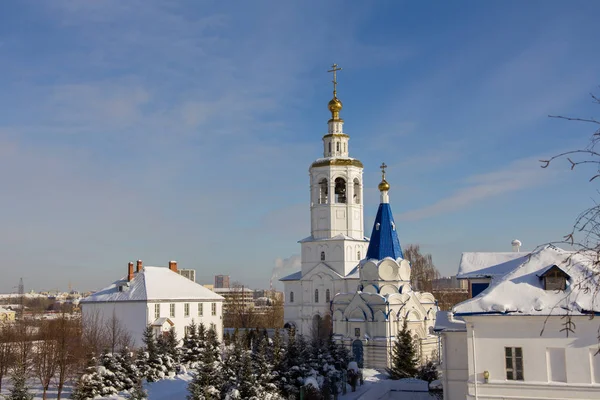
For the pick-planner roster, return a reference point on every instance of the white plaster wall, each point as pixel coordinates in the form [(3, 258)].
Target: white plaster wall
[(494, 333), (132, 315), (181, 321), (454, 365)]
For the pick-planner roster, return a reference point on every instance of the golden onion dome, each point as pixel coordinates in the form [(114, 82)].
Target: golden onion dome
[(384, 186), (335, 105)]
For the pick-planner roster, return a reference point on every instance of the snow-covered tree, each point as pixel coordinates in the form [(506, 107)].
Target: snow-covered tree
[(19, 390), (152, 363), (90, 382), (208, 381), (428, 372), (168, 345), (404, 355)]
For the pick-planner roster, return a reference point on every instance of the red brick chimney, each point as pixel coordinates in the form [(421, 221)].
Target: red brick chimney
[(139, 266), (130, 272), (173, 266)]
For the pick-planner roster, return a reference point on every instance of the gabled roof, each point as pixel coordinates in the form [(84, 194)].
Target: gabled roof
[(488, 265), (296, 276), (161, 322), (521, 291), (384, 237), (153, 283)]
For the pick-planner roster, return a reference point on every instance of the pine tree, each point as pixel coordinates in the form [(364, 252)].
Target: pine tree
[(404, 357), (188, 343), (20, 390), (130, 372), (208, 381), (90, 383), (150, 362), (138, 392), (428, 372)]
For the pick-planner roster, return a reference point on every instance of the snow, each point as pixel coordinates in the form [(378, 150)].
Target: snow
[(353, 366), (154, 283), (488, 265), (445, 321), (521, 291)]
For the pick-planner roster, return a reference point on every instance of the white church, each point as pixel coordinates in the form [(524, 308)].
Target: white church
[(359, 286)]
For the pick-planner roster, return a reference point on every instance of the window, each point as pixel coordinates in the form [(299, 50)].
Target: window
[(200, 309), (344, 147), (291, 297), (357, 332), (514, 363), (555, 279), (323, 191), (172, 310), (356, 194), (337, 146), (186, 310), (327, 296), (316, 295), (340, 190), (213, 307), (156, 311), (186, 331), (329, 148), (213, 327), (322, 256), (358, 255)]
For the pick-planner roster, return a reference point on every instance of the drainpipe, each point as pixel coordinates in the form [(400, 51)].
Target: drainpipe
[(474, 360)]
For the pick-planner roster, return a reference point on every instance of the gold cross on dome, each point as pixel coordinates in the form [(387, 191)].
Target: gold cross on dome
[(383, 167), (334, 69)]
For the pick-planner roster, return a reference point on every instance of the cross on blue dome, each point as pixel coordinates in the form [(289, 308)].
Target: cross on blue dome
[(384, 237)]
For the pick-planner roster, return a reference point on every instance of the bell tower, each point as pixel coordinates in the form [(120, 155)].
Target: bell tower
[(336, 197)]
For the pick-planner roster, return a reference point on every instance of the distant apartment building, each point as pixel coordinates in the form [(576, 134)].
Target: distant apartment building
[(269, 294), (221, 281), (188, 273)]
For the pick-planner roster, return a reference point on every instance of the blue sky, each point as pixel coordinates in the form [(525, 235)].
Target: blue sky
[(184, 130)]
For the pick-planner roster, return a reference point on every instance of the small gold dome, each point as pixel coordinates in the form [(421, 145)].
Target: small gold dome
[(384, 186), (335, 105)]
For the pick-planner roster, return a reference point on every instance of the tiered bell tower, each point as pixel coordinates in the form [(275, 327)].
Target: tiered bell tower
[(336, 200)]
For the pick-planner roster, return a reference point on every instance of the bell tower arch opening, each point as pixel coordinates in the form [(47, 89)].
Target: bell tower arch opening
[(340, 190)]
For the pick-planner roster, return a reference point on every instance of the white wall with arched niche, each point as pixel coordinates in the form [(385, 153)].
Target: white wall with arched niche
[(369, 271), (388, 270), (404, 270), (370, 289), (388, 289)]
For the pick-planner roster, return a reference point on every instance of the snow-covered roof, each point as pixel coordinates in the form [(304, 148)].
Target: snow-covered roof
[(384, 237), (296, 276), (341, 236), (5, 311), (521, 291), (233, 290), (488, 265), (153, 283), (446, 322)]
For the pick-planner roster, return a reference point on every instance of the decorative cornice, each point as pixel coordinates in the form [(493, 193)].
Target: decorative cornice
[(338, 162), (336, 135)]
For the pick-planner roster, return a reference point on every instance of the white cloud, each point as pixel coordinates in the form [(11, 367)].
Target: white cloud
[(518, 175)]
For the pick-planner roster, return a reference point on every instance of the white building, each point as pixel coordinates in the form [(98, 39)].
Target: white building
[(369, 318), (529, 335), (330, 255), (366, 300), (157, 296)]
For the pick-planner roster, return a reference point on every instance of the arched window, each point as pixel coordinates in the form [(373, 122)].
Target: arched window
[(358, 255), (344, 147), (340, 190), (356, 194), (327, 296), (316, 295), (329, 148), (337, 146), (322, 256), (291, 297), (323, 191)]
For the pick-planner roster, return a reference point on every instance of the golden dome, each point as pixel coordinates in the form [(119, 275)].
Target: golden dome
[(384, 186), (335, 106)]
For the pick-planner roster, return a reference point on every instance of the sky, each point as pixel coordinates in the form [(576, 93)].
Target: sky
[(161, 130)]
